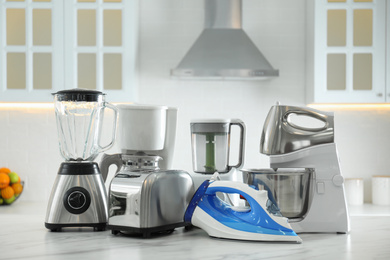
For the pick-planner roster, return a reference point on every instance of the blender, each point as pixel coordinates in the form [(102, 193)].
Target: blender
[(211, 149), (78, 197)]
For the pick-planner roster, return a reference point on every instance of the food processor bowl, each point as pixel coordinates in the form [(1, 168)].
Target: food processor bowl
[(210, 139), (287, 188)]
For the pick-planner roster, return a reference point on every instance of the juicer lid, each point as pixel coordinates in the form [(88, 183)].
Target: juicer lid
[(215, 126), (78, 94)]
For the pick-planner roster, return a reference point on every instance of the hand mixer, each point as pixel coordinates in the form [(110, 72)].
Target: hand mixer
[(291, 146)]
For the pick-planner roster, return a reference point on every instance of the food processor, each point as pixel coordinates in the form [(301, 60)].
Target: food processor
[(78, 197), (304, 179), (210, 139), (146, 196)]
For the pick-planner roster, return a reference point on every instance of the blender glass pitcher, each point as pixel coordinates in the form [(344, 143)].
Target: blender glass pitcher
[(79, 114), (211, 143)]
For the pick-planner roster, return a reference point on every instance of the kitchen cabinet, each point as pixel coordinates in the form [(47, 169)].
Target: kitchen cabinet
[(49, 45), (347, 43)]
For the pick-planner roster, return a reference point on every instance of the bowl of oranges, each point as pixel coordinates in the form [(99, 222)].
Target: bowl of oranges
[(11, 186)]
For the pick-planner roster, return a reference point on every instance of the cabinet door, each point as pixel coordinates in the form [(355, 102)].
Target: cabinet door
[(349, 51), (49, 45), (100, 46), (30, 50)]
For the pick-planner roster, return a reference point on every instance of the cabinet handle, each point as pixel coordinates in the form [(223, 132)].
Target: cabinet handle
[(379, 94)]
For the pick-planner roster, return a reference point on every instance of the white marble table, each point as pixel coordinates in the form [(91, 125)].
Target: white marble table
[(23, 236)]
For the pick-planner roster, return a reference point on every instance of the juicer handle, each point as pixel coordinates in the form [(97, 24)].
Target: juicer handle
[(108, 160), (240, 124), (104, 148)]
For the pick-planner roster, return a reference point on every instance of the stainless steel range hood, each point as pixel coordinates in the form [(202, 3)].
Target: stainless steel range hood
[(224, 50)]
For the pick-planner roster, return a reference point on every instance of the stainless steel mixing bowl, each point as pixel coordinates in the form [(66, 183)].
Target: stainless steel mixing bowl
[(288, 188)]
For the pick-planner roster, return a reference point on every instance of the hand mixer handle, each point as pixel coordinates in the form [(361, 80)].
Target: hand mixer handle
[(323, 117), (113, 137), (240, 124), (108, 160)]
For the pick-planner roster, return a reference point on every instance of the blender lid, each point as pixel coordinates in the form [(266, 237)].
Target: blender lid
[(78, 94)]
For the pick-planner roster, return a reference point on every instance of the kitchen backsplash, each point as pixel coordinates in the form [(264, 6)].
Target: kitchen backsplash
[(28, 136)]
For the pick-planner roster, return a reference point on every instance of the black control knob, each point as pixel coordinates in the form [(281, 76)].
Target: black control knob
[(77, 200)]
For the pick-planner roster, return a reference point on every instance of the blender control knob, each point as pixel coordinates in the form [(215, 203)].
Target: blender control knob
[(77, 200)]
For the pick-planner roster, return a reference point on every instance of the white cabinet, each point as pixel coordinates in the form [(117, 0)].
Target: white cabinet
[(346, 51), (49, 45)]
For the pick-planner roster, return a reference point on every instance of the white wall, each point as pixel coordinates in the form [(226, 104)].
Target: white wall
[(167, 31), (28, 137)]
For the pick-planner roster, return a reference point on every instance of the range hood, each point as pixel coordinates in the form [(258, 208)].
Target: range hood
[(224, 50)]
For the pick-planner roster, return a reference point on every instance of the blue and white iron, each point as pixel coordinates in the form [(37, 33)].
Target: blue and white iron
[(260, 221)]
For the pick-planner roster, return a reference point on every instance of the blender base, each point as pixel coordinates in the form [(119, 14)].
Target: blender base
[(78, 198), (58, 227)]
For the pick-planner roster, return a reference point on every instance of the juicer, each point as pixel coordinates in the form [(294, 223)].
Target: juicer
[(146, 196), (305, 179), (210, 139), (78, 197)]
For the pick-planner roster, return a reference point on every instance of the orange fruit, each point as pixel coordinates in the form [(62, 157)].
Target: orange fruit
[(5, 170), (18, 188), (7, 192), (4, 180)]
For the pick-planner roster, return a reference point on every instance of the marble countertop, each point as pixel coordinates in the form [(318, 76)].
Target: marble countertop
[(23, 236)]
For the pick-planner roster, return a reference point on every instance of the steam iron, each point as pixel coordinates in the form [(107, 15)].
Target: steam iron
[(260, 221)]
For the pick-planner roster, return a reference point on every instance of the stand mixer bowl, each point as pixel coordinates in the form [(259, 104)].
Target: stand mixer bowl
[(289, 189)]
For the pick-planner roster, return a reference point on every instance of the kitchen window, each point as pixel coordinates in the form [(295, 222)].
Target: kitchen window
[(49, 45)]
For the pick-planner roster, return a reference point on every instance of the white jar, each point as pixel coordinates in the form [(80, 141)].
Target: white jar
[(354, 189), (381, 189)]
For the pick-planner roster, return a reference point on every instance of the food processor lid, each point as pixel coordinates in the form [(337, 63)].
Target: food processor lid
[(210, 126), (78, 94)]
